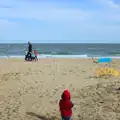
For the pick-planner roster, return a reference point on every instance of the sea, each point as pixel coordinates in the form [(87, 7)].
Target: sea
[(48, 50)]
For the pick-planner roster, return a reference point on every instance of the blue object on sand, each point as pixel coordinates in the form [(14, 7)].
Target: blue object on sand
[(104, 60)]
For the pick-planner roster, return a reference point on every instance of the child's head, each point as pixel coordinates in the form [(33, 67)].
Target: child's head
[(66, 95)]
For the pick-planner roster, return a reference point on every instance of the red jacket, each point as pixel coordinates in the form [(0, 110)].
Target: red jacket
[(65, 104), (35, 53)]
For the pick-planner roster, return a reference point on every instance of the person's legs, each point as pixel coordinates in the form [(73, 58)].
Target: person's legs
[(27, 56), (30, 56), (66, 118), (36, 58)]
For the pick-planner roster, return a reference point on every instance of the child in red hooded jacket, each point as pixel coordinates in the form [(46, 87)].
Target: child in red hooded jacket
[(66, 105)]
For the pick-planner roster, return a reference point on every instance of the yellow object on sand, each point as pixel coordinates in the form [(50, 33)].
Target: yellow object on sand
[(107, 71)]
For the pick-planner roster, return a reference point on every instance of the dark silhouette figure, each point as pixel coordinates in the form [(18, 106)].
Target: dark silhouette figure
[(29, 54)]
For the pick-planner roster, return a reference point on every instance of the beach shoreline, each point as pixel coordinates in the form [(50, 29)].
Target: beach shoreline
[(29, 90)]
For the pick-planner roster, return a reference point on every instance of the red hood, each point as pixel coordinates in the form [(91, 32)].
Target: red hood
[(66, 95)]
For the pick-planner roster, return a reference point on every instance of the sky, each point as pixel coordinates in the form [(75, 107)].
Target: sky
[(60, 21)]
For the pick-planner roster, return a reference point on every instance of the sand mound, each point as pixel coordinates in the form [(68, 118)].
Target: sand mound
[(100, 102)]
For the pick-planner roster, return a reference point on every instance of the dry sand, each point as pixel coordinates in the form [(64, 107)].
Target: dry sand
[(31, 90)]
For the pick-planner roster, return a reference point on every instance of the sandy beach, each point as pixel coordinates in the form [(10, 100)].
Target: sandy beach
[(31, 90)]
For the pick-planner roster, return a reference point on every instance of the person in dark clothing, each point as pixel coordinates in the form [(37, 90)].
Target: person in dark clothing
[(29, 54), (29, 47), (65, 105)]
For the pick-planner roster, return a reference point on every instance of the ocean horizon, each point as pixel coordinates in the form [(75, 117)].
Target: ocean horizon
[(61, 50)]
